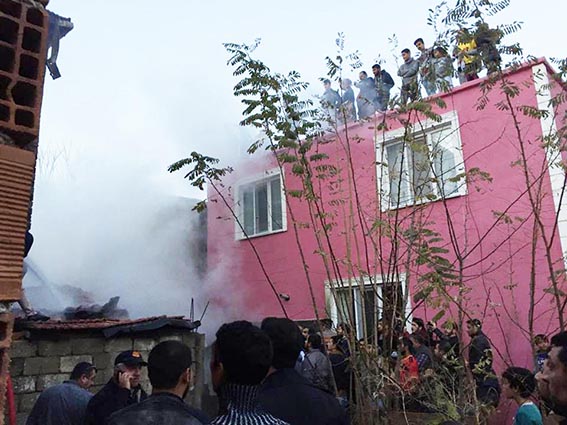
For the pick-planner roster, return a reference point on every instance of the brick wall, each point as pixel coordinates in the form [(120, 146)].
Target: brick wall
[(45, 361), (23, 44)]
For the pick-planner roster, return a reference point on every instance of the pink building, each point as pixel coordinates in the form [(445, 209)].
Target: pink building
[(472, 191)]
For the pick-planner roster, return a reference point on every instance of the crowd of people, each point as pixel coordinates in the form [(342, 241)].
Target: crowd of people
[(433, 70), (427, 357), (280, 373)]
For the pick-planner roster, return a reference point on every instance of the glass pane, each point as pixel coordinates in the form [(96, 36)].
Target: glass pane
[(262, 208), (247, 203), (370, 311), (392, 299), (444, 162), (345, 306), (421, 169), (276, 204), (395, 173)]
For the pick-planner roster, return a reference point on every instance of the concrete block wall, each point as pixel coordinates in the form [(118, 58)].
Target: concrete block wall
[(42, 362), (23, 44)]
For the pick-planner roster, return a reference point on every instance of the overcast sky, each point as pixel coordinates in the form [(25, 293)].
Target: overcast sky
[(144, 83)]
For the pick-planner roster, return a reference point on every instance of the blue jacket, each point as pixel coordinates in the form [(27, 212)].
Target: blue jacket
[(63, 404)]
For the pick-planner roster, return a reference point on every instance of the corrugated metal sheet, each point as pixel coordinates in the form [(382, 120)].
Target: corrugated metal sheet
[(16, 180)]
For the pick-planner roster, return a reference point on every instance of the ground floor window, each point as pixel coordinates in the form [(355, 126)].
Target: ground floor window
[(363, 303)]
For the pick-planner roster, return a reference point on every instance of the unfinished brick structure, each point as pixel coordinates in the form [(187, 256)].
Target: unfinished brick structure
[(23, 45), (23, 41), (45, 353)]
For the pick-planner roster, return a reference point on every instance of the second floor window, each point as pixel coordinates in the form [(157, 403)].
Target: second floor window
[(261, 208), (424, 167)]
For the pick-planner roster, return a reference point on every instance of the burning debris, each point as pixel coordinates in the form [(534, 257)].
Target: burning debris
[(109, 310)]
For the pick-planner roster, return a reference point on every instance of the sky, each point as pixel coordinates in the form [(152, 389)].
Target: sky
[(145, 83)]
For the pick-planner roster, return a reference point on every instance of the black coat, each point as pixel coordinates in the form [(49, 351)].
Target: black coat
[(110, 399), (163, 409), (289, 397), (480, 361)]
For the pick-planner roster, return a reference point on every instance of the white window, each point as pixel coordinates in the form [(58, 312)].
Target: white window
[(261, 205), (361, 304), (424, 167)]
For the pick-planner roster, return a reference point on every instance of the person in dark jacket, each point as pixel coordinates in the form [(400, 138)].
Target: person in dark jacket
[(418, 328), (341, 370), (408, 71), (383, 83), (66, 403), (316, 367), (422, 353), (480, 363), (122, 390), (285, 393), (242, 355), (366, 99), (552, 381), (486, 40), (169, 370)]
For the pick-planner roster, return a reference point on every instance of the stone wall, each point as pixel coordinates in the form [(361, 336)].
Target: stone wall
[(48, 360)]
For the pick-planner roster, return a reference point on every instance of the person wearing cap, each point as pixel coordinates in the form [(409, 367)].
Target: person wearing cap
[(169, 370), (480, 363), (66, 403), (122, 390)]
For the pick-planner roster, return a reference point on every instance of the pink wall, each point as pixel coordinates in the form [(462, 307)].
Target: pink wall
[(499, 262)]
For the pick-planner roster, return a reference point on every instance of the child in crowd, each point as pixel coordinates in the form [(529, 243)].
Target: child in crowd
[(518, 384), (541, 345)]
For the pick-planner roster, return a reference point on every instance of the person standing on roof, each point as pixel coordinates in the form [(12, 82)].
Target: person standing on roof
[(366, 99), (383, 83), (122, 390), (426, 70), (408, 71)]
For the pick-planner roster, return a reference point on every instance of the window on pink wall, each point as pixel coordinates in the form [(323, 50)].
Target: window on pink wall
[(260, 207), (424, 167)]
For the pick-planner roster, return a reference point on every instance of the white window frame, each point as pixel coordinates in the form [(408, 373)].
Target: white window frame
[(428, 128), (378, 281), (257, 179)]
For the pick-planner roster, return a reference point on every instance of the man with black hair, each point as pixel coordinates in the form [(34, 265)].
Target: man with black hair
[(480, 363), (422, 353), (286, 394), (169, 370), (242, 355), (316, 367), (426, 70), (418, 328), (408, 71), (519, 384), (122, 390), (66, 403), (383, 83), (552, 381)]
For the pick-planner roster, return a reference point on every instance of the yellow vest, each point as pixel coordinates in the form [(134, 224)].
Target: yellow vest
[(465, 47)]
